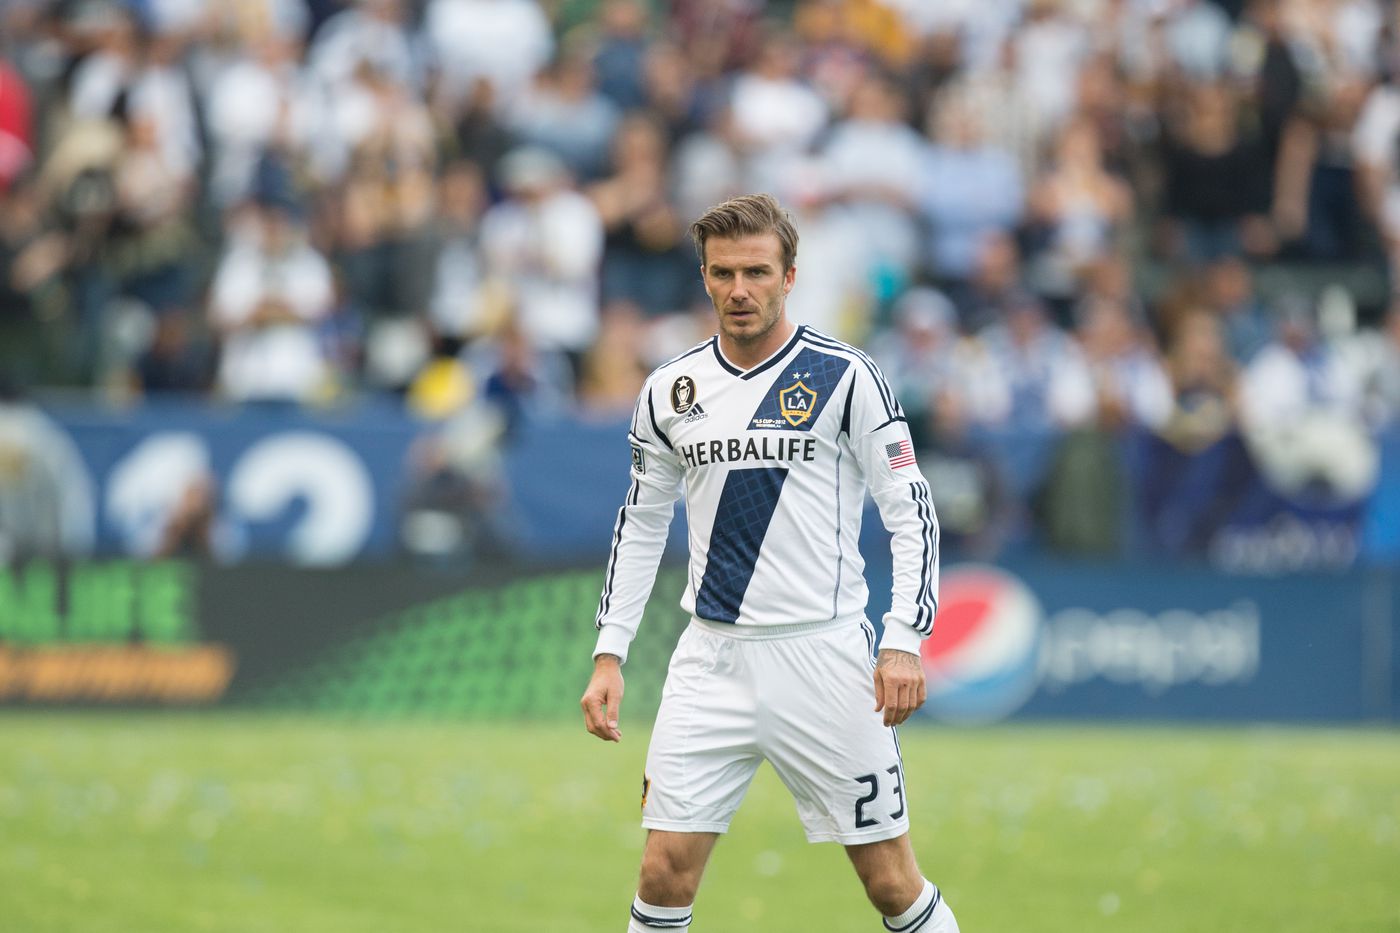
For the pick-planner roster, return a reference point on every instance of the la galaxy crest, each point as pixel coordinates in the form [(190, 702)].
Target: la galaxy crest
[(683, 394), (796, 403)]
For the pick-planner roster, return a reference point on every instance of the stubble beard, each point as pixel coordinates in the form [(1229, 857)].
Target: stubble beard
[(768, 315)]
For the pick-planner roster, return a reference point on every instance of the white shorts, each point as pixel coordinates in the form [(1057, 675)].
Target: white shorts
[(800, 696)]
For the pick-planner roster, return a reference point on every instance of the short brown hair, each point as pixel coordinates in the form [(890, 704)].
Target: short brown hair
[(747, 215)]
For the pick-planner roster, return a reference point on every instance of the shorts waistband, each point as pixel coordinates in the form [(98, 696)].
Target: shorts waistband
[(766, 632)]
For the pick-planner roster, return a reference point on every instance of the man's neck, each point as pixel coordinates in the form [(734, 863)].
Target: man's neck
[(748, 355)]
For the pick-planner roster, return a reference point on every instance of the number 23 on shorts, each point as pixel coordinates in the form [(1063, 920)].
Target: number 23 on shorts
[(863, 817)]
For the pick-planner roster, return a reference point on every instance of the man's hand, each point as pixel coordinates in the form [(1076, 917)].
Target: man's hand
[(899, 685), (602, 701)]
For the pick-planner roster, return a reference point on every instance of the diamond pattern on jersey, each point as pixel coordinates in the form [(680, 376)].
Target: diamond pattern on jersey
[(746, 507), (818, 373)]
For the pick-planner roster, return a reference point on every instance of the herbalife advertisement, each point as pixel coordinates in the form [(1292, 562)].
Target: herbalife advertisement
[(1035, 640)]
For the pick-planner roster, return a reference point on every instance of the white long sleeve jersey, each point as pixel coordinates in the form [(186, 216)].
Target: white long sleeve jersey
[(774, 462)]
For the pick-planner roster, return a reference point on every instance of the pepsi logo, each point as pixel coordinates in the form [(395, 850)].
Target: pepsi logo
[(981, 661)]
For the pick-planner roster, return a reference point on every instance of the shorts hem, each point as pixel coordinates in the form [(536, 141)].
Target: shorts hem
[(855, 839), (680, 826)]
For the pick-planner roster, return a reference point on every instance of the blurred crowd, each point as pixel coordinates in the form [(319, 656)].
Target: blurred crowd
[(468, 200)]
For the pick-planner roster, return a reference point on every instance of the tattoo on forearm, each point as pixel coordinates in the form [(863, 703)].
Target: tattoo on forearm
[(897, 659)]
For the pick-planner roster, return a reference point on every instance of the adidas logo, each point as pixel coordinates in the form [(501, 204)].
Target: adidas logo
[(696, 414)]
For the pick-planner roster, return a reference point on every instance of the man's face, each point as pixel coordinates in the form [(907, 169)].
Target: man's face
[(745, 280)]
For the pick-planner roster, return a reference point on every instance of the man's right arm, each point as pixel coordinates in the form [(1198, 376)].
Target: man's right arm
[(639, 535)]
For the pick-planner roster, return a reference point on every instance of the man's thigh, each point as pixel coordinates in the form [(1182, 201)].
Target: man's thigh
[(703, 752), (828, 745)]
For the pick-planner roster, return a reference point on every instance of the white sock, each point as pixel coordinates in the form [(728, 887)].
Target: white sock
[(928, 914), (648, 918)]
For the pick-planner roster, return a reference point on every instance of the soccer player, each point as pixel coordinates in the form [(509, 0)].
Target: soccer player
[(775, 432)]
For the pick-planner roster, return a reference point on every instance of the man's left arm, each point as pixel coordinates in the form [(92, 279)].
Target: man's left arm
[(880, 440)]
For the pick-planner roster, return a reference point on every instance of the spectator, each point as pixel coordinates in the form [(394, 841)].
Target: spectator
[(1315, 206), (1203, 384), (153, 249), (613, 370), (1047, 51), (502, 42), (479, 134), (1216, 195), (1080, 209), (1301, 410), (996, 283), (271, 292), (564, 111), (257, 103), (1270, 68), (948, 382), (1376, 147), (386, 199), (1130, 387), (544, 244), (1050, 384), (177, 358), (870, 167), (34, 336), (520, 380), (1384, 376), (16, 126), (620, 59), (459, 308), (647, 258), (455, 508), (367, 33), (673, 95), (776, 115), (969, 191), (1231, 294), (1197, 36), (107, 65)]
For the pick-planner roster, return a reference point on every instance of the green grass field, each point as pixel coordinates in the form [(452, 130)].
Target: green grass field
[(154, 823)]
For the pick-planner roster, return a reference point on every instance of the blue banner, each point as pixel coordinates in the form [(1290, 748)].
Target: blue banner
[(1051, 640), (330, 486), (180, 478)]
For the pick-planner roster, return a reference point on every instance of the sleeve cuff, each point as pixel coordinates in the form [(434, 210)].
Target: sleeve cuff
[(900, 637), (613, 639)]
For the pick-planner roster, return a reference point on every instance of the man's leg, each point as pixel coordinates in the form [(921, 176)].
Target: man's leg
[(672, 865), (907, 900)]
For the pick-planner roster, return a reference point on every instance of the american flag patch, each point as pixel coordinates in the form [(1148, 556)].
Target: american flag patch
[(901, 454)]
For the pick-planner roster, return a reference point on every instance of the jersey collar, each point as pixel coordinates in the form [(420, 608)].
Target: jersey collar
[(766, 364)]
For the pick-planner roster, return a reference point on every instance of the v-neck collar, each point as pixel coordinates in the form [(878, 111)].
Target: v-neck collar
[(766, 364)]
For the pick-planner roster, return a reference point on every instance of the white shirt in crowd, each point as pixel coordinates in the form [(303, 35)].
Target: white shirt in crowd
[(547, 250), (279, 361)]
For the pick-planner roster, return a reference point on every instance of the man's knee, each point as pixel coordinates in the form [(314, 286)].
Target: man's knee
[(671, 871), (891, 892), (889, 873)]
